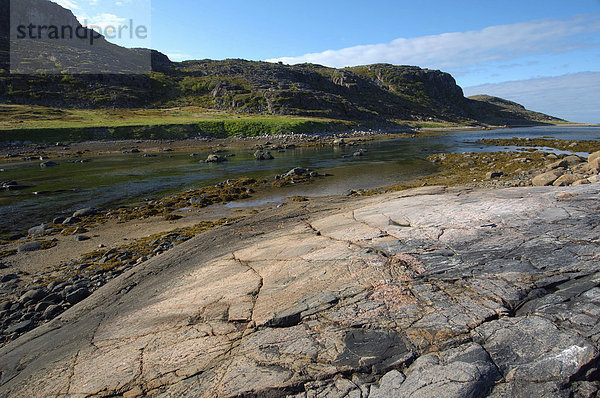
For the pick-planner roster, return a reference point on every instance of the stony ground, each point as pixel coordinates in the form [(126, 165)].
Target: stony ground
[(421, 293)]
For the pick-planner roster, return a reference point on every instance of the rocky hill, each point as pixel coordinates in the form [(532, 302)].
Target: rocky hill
[(378, 92)]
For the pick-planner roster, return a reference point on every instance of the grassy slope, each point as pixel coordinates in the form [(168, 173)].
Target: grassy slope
[(38, 124)]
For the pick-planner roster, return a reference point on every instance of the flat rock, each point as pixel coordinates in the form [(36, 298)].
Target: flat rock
[(428, 292)]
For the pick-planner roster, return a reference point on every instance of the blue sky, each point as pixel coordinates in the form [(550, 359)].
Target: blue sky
[(479, 42)]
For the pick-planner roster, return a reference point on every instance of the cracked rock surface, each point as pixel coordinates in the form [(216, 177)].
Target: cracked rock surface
[(430, 292)]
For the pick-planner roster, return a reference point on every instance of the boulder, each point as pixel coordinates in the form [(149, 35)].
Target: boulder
[(262, 155), (296, 171), (594, 163), (78, 295), (566, 179), (38, 230), (33, 295), (573, 160), (29, 247), (593, 156), (558, 164), (213, 158), (583, 181), (494, 174), (52, 311), (545, 179), (339, 142)]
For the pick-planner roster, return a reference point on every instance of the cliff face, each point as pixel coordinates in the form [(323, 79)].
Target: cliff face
[(380, 92)]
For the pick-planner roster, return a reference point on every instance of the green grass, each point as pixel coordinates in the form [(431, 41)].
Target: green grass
[(43, 124), (430, 124)]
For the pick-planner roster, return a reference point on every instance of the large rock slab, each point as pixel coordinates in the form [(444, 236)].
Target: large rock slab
[(428, 292)]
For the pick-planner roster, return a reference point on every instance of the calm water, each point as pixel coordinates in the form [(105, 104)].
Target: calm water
[(123, 178)]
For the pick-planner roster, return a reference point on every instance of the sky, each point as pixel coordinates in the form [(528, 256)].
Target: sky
[(517, 48)]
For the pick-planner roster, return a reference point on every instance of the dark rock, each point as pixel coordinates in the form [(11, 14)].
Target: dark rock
[(58, 220), (494, 174), (12, 186), (59, 286), (41, 307), (4, 306), (48, 164), (33, 295), (9, 277), (29, 247), (19, 327), (365, 347), (53, 298), (52, 311), (289, 317), (77, 296), (81, 238), (262, 155)]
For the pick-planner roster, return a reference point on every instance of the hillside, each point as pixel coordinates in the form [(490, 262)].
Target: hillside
[(380, 93), (498, 111)]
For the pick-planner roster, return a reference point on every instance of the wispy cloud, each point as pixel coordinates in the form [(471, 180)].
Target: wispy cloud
[(459, 49), (572, 97)]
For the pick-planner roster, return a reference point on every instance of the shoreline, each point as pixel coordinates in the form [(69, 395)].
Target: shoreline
[(95, 246)]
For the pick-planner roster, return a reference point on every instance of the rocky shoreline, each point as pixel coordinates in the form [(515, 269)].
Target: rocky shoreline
[(27, 301), (40, 300)]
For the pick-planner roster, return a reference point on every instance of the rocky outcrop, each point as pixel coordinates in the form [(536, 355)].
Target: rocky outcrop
[(428, 292)]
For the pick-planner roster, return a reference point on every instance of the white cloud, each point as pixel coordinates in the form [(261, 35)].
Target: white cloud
[(69, 4), (451, 50), (573, 97)]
